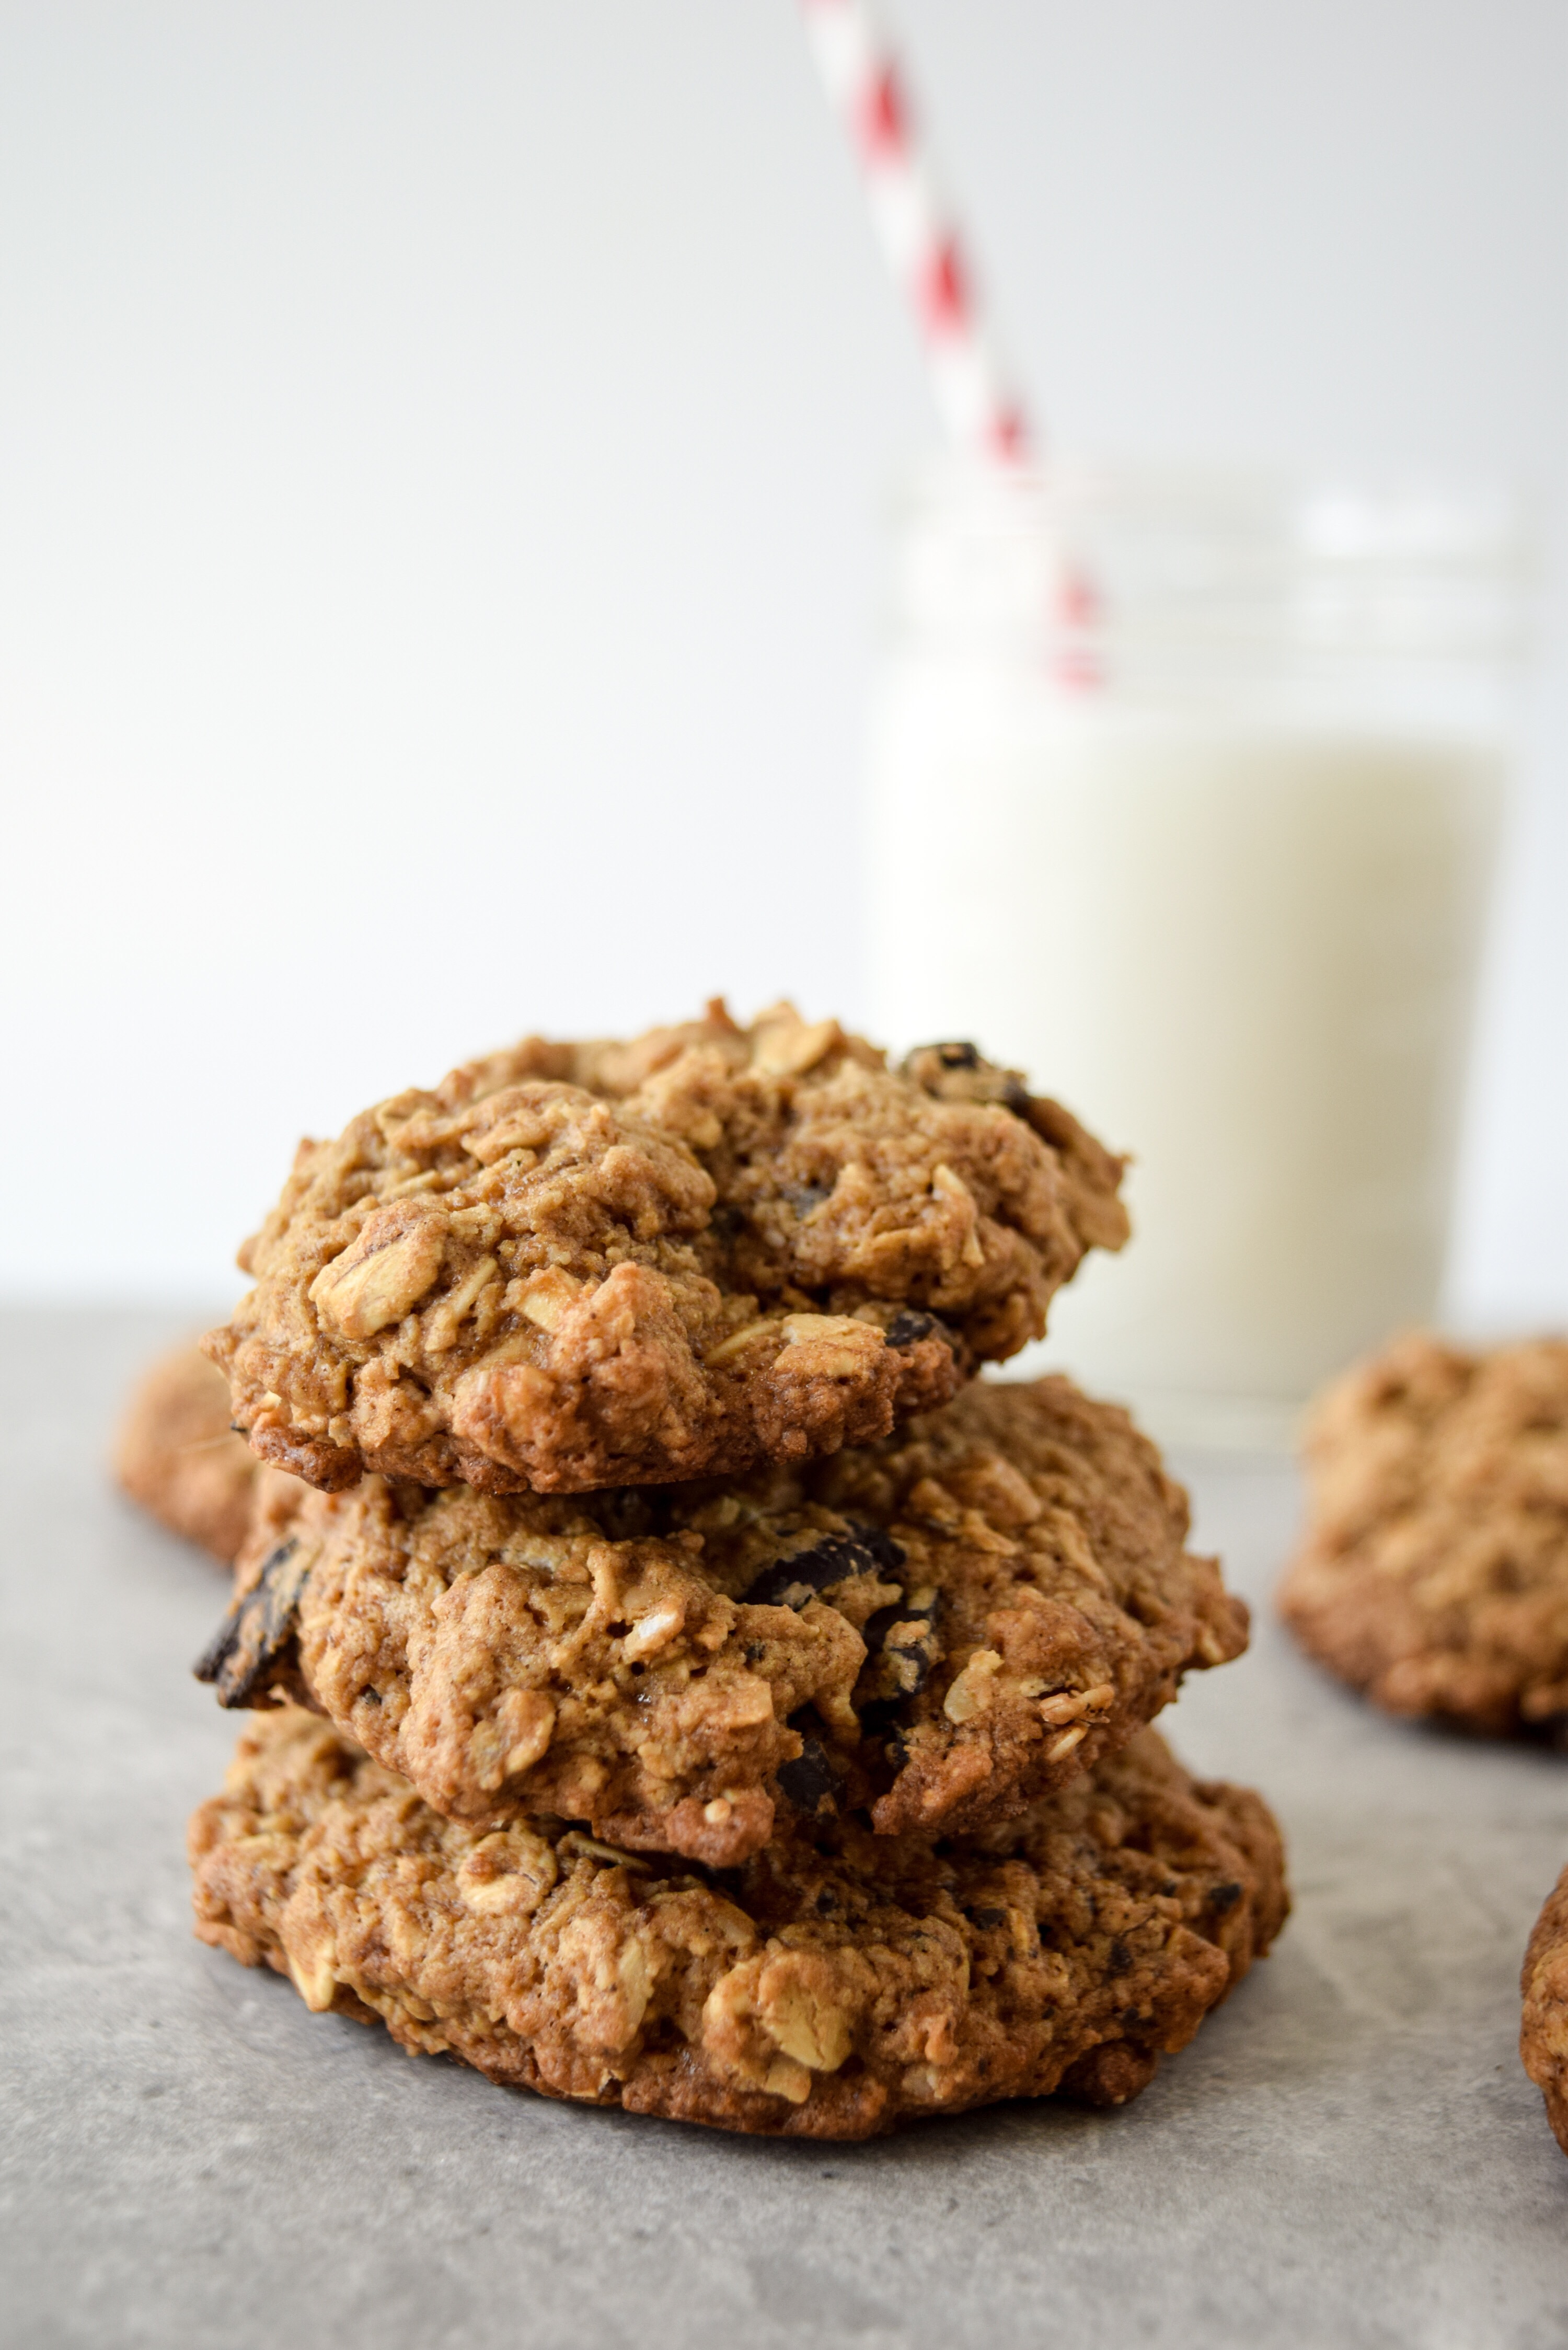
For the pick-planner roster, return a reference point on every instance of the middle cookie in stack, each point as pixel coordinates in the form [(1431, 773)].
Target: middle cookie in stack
[(730, 1250), (936, 1630)]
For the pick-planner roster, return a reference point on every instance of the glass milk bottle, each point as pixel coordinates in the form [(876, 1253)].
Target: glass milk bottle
[(1184, 794)]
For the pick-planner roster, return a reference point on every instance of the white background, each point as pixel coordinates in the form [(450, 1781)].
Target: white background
[(441, 450)]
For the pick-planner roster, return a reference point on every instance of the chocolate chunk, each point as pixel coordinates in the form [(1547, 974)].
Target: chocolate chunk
[(625, 1513), (988, 1917), (959, 1073), (1121, 1958), (907, 1330), (810, 1782), (902, 1645), (250, 1641), (1223, 1897), (831, 1558)]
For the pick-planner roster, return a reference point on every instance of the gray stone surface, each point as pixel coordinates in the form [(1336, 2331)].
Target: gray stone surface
[(1349, 2155)]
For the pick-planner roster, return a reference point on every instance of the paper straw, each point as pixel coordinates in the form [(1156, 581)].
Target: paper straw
[(915, 228)]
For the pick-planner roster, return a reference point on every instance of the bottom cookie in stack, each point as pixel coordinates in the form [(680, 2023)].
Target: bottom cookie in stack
[(835, 1984)]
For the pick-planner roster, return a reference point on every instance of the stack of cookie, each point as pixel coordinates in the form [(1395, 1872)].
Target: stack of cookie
[(675, 1683)]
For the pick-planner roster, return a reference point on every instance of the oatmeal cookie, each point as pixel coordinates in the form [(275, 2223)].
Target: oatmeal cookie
[(581, 1266), (177, 1456), (1434, 1573), (938, 1628), (835, 1984), (1543, 2031)]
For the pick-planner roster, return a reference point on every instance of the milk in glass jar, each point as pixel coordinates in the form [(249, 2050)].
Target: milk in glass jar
[(1184, 797)]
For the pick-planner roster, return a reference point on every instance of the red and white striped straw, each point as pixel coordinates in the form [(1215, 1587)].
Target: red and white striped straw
[(915, 228)]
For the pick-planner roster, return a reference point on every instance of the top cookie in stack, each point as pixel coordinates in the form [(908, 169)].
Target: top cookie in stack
[(574, 1266)]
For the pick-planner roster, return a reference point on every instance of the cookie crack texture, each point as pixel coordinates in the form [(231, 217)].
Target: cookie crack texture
[(834, 1986), (573, 1266)]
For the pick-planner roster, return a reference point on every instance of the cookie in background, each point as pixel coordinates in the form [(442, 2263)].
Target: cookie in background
[(179, 1459), (1543, 2025), (1433, 1576)]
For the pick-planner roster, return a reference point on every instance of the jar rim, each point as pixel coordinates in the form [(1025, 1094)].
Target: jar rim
[(1160, 581), (1312, 514)]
